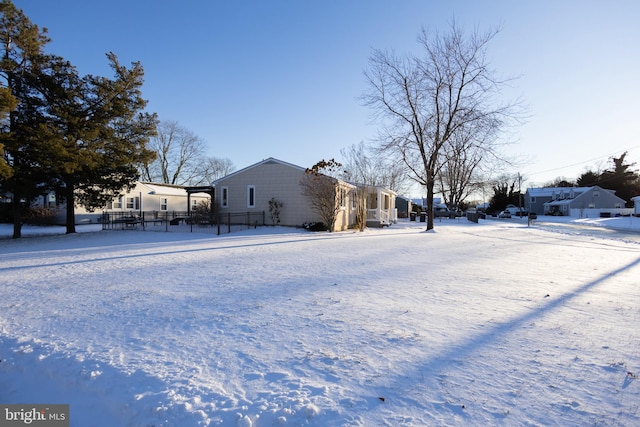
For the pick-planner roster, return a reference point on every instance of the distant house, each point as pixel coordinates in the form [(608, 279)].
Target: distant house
[(151, 198), (421, 203), (404, 206), (250, 190), (636, 205), (569, 200)]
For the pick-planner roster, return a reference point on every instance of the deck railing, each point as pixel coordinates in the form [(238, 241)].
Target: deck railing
[(384, 216), (181, 221)]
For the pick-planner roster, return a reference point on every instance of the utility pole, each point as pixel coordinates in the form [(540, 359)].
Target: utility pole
[(520, 194)]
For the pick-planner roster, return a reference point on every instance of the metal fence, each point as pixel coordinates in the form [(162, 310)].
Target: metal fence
[(201, 222)]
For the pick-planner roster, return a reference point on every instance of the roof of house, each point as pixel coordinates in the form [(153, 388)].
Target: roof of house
[(549, 191), (580, 195), (270, 160), (166, 189)]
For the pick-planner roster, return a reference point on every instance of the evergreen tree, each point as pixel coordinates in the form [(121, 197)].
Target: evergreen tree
[(21, 43), (83, 136), (97, 132), (588, 179), (8, 103), (504, 193), (622, 179)]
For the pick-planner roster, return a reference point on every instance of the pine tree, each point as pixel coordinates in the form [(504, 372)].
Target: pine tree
[(622, 179), (97, 134), (21, 43)]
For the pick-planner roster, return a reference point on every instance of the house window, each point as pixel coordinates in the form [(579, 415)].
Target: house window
[(596, 193), (342, 194), (225, 197), (251, 196), (532, 200), (618, 206), (591, 206), (164, 203), (354, 199), (117, 203), (51, 200), (194, 204), (133, 203)]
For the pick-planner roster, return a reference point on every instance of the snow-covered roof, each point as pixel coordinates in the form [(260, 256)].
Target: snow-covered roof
[(166, 189), (549, 191)]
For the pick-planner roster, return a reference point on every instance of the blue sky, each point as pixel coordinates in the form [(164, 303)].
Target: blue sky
[(258, 79)]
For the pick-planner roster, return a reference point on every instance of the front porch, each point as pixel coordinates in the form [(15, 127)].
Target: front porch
[(381, 209)]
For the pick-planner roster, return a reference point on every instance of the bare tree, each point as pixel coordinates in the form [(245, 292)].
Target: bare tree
[(458, 177), (367, 165), (322, 188), (178, 155), (212, 168), (425, 102)]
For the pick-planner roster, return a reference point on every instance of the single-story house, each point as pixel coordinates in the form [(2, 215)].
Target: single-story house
[(155, 199), (150, 197), (251, 189)]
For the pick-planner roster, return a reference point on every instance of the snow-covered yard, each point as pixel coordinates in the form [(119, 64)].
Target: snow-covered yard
[(494, 323)]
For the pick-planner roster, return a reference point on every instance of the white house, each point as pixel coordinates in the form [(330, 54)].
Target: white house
[(157, 198), (636, 205), (152, 199)]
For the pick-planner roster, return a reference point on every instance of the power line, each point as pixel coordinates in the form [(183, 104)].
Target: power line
[(585, 161)]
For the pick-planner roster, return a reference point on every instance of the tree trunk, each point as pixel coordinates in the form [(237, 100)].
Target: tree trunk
[(17, 216), (430, 210), (71, 217)]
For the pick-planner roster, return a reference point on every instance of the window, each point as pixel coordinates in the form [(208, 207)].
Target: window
[(164, 203), (225, 197), (133, 203), (117, 203), (532, 200), (251, 196), (194, 204), (596, 193), (342, 195)]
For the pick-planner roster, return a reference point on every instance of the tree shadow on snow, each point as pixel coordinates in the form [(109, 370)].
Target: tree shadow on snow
[(442, 361)]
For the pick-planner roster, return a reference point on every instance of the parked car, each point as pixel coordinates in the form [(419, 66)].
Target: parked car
[(504, 214), (516, 211), (441, 212)]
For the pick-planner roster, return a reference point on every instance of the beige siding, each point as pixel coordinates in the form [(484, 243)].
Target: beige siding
[(270, 179), (279, 180)]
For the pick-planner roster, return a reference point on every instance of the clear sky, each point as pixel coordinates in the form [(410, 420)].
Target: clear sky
[(258, 79)]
